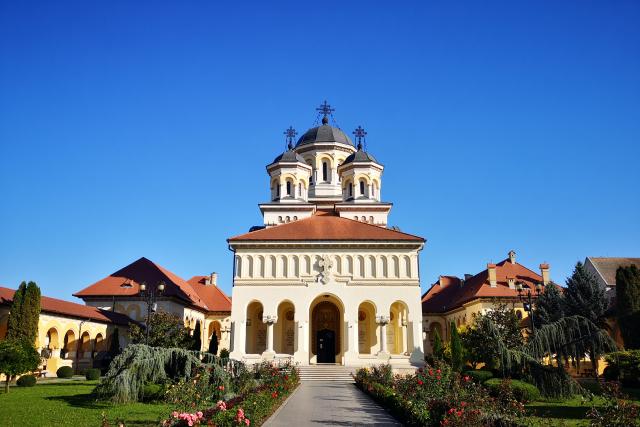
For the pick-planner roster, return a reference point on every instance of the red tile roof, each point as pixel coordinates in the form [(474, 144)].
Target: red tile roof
[(323, 226), (66, 308), (214, 298), (450, 292), (126, 282)]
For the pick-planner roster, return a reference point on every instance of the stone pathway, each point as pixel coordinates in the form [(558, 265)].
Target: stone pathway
[(330, 404)]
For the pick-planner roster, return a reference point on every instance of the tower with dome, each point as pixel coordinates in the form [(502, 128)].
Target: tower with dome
[(324, 280)]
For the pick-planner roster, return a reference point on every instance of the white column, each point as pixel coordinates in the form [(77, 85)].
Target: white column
[(383, 320), (405, 335), (269, 337)]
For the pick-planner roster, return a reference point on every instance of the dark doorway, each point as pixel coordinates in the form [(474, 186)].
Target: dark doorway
[(326, 346)]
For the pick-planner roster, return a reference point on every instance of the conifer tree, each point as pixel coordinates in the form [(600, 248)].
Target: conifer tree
[(114, 347), (549, 306), (197, 341), (628, 305), (456, 349), (213, 343), (25, 313), (585, 297), (438, 348)]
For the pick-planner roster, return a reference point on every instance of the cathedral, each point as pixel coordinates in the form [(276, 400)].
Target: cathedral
[(325, 279)]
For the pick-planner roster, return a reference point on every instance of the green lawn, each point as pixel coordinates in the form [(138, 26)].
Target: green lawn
[(71, 404)]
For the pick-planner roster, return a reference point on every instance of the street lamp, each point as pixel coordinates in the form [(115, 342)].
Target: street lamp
[(150, 296), (527, 300)]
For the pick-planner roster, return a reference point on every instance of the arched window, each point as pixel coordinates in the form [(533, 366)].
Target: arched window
[(288, 188), (325, 172), (361, 187)]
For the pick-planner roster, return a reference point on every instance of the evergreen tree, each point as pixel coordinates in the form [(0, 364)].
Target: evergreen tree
[(213, 343), (25, 313), (585, 297), (197, 341), (438, 348), (456, 349), (549, 306), (628, 305), (114, 347)]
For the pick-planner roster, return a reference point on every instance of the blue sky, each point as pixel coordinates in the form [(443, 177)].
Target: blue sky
[(132, 129)]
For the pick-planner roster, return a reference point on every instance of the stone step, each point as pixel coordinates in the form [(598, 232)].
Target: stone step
[(326, 373)]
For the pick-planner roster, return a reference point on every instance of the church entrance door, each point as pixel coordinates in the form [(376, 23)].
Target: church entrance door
[(326, 345)]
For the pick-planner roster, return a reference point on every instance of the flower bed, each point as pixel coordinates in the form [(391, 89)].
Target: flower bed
[(253, 407), (436, 396)]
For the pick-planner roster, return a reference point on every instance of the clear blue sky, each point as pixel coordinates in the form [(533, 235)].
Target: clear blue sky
[(132, 129)]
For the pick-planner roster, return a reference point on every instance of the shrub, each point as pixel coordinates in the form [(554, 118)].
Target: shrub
[(151, 392), (618, 410), (92, 374), (479, 376), (382, 374), (64, 372), (611, 373), (628, 365), (224, 353), (26, 381), (522, 391)]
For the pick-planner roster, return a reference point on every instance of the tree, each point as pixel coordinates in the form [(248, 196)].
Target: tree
[(549, 306), (167, 330), (438, 348), (585, 297), (628, 305), (17, 356), (197, 341), (25, 312), (213, 343), (456, 349)]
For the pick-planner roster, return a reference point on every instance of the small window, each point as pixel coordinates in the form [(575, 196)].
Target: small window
[(300, 189), (278, 190), (288, 188), (350, 190), (362, 188), (325, 172)]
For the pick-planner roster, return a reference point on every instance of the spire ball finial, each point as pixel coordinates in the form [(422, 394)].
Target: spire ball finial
[(325, 120)]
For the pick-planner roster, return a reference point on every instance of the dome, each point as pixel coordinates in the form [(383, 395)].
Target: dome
[(324, 133), (289, 156), (360, 156)]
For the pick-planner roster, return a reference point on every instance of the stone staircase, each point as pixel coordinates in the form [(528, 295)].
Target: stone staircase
[(326, 372)]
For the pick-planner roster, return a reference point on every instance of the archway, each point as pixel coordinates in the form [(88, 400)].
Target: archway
[(256, 339), (367, 336), (51, 340), (327, 330), (284, 334), (397, 330), (98, 344), (85, 341), (68, 345)]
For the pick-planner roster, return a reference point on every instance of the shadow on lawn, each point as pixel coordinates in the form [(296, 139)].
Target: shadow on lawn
[(555, 411), (85, 400)]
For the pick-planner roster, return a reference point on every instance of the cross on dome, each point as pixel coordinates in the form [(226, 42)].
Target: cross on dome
[(360, 134), (326, 111), (290, 135)]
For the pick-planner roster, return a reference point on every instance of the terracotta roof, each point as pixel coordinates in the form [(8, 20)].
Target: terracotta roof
[(449, 292), (126, 282), (212, 295), (57, 306), (607, 267), (322, 226)]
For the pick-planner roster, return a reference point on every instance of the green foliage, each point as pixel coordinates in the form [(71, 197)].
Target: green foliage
[(17, 356), (25, 313), (92, 374), (456, 349), (213, 344), (26, 381), (624, 366), (628, 305), (438, 349), (151, 392), (196, 339), (166, 330), (522, 391), (618, 411), (585, 297), (500, 325), (224, 353), (549, 306), (382, 374), (479, 376), (64, 372)]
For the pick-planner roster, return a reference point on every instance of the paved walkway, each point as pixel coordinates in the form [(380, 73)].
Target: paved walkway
[(330, 404)]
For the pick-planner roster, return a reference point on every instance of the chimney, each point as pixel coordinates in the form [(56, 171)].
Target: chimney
[(512, 282), (212, 279), (544, 272), (493, 281), (512, 256)]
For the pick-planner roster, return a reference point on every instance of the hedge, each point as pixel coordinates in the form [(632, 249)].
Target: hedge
[(26, 381), (64, 372), (92, 374), (625, 366), (522, 391), (479, 376)]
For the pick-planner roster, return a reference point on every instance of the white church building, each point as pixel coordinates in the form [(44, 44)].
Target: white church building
[(325, 280)]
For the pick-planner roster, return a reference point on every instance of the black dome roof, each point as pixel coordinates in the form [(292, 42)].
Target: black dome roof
[(324, 133), (289, 156), (360, 156)]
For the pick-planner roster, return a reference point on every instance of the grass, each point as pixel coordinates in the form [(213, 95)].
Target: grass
[(71, 404)]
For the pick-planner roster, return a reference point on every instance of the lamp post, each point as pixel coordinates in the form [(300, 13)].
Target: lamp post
[(527, 300), (150, 296)]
